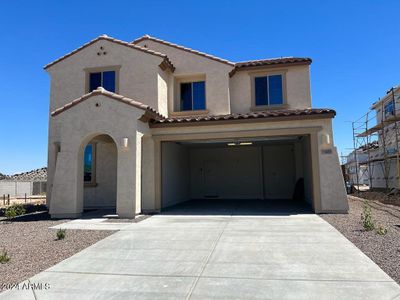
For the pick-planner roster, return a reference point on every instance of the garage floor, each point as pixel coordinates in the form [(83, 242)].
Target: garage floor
[(239, 207), (173, 256)]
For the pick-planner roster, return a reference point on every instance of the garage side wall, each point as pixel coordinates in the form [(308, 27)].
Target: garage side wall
[(175, 174)]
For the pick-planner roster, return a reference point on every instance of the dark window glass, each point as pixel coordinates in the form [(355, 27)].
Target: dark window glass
[(88, 163), (109, 81), (261, 87), (275, 89), (95, 81), (389, 108), (186, 96), (268, 90), (199, 95)]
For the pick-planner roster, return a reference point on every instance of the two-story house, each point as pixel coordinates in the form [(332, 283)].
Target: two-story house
[(380, 128), (143, 125)]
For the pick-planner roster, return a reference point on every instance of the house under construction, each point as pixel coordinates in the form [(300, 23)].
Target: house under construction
[(375, 158)]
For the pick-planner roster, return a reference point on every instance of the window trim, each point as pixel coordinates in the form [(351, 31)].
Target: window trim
[(93, 182), (87, 71), (176, 105), (253, 75), (392, 112)]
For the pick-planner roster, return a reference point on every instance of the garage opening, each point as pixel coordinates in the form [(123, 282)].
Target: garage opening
[(258, 175)]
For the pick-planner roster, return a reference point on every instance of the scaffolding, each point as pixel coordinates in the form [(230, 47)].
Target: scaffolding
[(376, 143)]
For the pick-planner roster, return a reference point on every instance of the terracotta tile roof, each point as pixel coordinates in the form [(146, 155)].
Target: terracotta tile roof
[(153, 114), (271, 62), (147, 37), (166, 62), (267, 114)]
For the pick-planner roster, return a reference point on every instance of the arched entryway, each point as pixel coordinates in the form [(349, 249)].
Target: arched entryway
[(99, 168)]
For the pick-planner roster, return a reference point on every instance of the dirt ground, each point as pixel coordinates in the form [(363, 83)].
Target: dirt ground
[(384, 250), (32, 245), (392, 197)]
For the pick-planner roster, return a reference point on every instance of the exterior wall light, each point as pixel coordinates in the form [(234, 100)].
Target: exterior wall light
[(125, 142)]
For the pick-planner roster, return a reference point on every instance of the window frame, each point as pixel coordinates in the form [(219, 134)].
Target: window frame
[(191, 83), (92, 182), (87, 71), (176, 104), (392, 112), (253, 76)]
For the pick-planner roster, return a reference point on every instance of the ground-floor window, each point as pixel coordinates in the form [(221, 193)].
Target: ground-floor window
[(89, 164)]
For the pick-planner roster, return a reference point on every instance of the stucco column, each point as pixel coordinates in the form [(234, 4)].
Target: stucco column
[(129, 176), (66, 201), (148, 175)]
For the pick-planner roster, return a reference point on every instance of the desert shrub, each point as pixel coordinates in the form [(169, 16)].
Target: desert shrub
[(10, 213), (61, 233), (366, 217), (381, 230), (14, 210), (19, 209), (4, 258)]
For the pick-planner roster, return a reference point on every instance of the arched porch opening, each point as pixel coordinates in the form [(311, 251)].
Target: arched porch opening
[(98, 172)]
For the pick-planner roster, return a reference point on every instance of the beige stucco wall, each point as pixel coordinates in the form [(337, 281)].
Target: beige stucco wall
[(138, 73), (298, 95), (78, 126), (189, 64)]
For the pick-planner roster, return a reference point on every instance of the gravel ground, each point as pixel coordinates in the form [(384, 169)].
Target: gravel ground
[(383, 250), (33, 247)]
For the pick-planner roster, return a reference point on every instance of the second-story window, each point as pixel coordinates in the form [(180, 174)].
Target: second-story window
[(193, 96), (389, 109), (105, 79), (268, 90)]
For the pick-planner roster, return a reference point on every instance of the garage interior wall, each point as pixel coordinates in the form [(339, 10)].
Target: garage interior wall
[(260, 171)]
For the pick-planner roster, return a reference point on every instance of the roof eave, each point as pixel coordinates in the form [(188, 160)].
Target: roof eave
[(183, 48), (266, 66), (327, 115), (149, 111)]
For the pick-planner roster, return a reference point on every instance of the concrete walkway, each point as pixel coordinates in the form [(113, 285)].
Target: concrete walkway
[(217, 257)]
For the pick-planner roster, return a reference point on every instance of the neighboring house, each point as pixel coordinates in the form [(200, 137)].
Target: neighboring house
[(384, 127), (356, 166), (171, 124), (27, 183)]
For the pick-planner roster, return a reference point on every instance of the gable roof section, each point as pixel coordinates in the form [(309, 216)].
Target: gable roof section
[(150, 38), (237, 66), (250, 64), (151, 112), (164, 65)]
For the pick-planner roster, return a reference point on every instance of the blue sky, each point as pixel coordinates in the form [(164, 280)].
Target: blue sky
[(354, 46)]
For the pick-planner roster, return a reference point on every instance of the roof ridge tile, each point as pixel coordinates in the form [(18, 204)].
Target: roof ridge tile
[(210, 56)]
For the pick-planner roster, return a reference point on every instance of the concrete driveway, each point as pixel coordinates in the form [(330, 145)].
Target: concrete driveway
[(217, 257)]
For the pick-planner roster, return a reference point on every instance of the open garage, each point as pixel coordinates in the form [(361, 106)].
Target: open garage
[(261, 174)]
